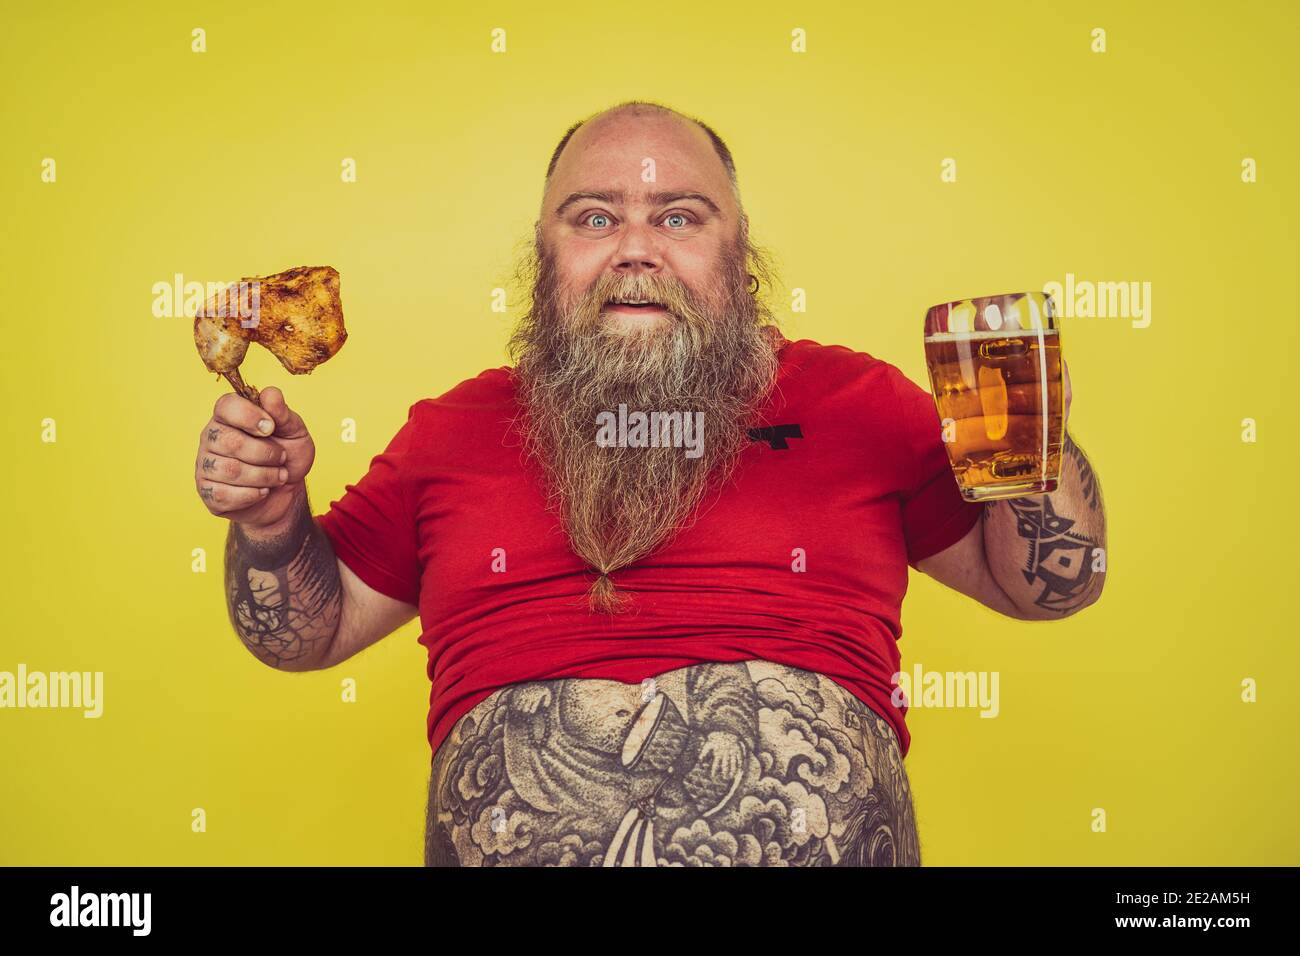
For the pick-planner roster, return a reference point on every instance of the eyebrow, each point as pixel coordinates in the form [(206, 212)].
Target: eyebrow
[(618, 196)]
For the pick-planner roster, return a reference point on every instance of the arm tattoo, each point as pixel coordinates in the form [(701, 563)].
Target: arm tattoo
[(284, 595), (1060, 559), (1065, 562)]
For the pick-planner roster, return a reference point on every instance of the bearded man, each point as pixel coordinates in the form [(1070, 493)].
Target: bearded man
[(670, 642)]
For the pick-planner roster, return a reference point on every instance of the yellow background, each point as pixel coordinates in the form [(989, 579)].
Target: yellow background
[(1122, 166)]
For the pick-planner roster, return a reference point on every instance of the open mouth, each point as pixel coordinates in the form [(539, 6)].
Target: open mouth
[(634, 306)]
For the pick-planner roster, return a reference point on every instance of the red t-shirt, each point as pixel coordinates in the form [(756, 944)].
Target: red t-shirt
[(863, 491)]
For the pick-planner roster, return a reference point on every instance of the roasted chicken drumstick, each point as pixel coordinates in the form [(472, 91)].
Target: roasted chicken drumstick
[(299, 318)]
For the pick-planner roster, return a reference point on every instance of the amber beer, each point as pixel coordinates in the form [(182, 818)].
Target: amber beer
[(995, 372)]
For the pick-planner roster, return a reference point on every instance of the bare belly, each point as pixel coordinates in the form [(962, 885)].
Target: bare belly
[(750, 764)]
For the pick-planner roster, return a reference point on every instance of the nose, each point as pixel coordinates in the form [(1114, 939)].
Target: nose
[(638, 252)]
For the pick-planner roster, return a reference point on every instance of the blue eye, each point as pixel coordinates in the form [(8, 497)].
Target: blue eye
[(595, 216), (677, 215)]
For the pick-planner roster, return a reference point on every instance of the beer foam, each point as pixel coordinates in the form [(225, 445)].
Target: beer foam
[(990, 334)]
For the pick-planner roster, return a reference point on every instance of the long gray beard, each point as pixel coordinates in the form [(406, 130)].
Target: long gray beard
[(618, 504)]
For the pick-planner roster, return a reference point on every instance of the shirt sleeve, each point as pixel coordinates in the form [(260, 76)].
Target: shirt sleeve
[(371, 526), (935, 515)]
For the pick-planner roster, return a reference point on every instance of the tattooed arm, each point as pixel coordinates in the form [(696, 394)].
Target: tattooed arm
[(294, 604), (1036, 558), (1048, 552), (283, 590)]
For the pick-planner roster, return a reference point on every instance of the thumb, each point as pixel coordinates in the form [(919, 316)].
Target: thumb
[(273, 403)]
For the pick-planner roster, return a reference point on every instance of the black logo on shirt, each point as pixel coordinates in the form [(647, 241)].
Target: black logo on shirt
[(776, 435)]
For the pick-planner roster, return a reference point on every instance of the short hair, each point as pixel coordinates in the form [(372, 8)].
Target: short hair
[(719, 147)]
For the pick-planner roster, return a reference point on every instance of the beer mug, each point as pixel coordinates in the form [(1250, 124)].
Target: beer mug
[(995, 374)]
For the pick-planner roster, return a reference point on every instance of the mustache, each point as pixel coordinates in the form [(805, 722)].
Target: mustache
[(696, 305), (682, 303)]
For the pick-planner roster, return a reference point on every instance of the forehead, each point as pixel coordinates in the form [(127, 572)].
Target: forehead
[(610, 152)]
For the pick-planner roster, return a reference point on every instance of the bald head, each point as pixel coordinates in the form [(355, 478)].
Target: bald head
[(644, 108), (643, 137)]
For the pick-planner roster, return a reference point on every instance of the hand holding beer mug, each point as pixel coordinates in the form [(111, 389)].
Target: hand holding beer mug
[(998, 383)]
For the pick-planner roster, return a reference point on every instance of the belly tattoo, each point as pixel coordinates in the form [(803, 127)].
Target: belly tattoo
[(740, 764)]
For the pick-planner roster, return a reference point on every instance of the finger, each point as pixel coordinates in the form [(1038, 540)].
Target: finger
[(221, 497), (287, 422), (238, 412), (232, 471), (231, 442)]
